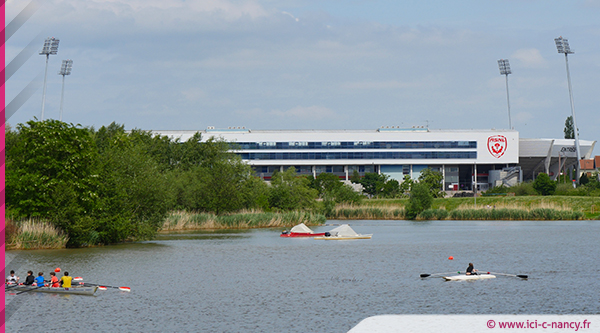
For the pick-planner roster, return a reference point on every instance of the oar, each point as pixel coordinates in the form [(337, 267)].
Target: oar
[(101, 287), (434, 274), (522, 276), (11, 286), (26, 291)]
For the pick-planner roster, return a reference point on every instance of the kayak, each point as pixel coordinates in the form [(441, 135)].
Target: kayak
[(88, 291), (468, 277)]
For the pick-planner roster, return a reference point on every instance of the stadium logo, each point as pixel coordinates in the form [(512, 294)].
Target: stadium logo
[(497, 145)]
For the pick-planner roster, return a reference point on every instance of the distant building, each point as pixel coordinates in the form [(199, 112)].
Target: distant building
[(464, 157)]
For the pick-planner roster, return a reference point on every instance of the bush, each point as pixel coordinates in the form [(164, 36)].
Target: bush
[(523, 189), (420, 200), (544, 185)]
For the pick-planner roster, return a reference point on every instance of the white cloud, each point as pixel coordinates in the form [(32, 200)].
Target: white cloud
[(531, 58)]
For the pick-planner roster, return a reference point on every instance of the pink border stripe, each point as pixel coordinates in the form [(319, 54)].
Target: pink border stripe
[(2, 137)]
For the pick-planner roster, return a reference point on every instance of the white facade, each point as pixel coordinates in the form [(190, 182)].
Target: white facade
[(463, 156)]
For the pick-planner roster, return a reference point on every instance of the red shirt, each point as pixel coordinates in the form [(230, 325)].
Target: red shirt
[(54, 282)]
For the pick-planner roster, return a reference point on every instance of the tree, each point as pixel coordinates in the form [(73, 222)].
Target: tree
[(544, 185), (52, 173), (420, 200), (355, 177), (290, 192), (434, 182), (391, 189), (569, 132), (406, 185), (373, 183)]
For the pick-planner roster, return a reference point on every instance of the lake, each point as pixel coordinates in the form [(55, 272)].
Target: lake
[(256, 281)]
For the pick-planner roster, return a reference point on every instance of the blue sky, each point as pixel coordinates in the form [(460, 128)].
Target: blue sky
[(327, 64)]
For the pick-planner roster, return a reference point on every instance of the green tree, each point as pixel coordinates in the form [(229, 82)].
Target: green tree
[(355, 177), (420, 200), (569, 131), (434, 182), (52, 173), (326, 182), (373, 183), (391, 189), (406, 185), (290, 192), (544, 185)]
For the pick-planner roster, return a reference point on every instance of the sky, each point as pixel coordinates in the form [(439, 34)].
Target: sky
[(313, 64)]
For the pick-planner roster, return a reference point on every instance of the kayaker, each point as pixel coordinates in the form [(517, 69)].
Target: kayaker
[(39, 281), (53, 280), (12, 278), (470, 270), (29, 279), (65, 281)]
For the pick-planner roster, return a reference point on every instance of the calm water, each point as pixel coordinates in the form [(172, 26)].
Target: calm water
[(255, 281)]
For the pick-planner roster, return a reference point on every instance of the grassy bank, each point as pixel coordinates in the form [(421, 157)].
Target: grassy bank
[(589, 206), (487, 208), (181, 220), (33, 234)]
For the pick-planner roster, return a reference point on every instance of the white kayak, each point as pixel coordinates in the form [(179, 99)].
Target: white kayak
[(469, 277)]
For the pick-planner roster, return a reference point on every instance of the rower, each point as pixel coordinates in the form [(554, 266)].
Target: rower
[(29, 279), (53, 280), (65, 281), (12, 278), (470, 270), (40, 279)]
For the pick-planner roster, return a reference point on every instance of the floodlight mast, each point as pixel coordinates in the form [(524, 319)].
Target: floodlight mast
[(562, 46), (504, 67), (65, 69), (50, 47)]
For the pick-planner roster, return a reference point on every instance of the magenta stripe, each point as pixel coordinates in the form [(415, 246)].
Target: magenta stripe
[(2, 138)]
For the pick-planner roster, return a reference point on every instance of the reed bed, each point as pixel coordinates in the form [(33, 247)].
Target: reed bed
[(547, 214), (349, 212), (182, 220), (35, 234), (561, 206)]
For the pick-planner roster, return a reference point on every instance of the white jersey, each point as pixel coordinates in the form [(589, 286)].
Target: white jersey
[(12, 279)]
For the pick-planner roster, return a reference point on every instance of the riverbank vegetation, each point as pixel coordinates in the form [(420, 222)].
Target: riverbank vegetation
[(183, 220), (110, 185), (33, 234), (107, 185)]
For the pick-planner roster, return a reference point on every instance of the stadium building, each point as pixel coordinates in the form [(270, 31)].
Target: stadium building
[(464, 157)]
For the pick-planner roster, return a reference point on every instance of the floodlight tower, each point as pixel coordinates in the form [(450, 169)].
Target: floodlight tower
[(65, 69), (504, 67), (50, 47), (562, 45)]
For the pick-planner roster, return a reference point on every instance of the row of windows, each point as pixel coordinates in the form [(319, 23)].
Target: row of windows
[(304, 169), (356, 145), (359, 155)]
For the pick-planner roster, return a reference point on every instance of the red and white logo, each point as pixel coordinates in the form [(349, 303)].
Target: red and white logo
[(497, 145)]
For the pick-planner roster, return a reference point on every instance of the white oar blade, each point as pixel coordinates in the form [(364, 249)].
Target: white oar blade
[(102, 288), (127, 289), (79, 278)]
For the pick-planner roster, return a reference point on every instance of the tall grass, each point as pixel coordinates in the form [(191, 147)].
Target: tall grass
[(515, 214), (182, 220), (35, 234), (350, 212)]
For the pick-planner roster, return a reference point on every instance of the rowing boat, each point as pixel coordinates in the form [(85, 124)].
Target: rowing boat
[(88, 291), (468, 277)]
